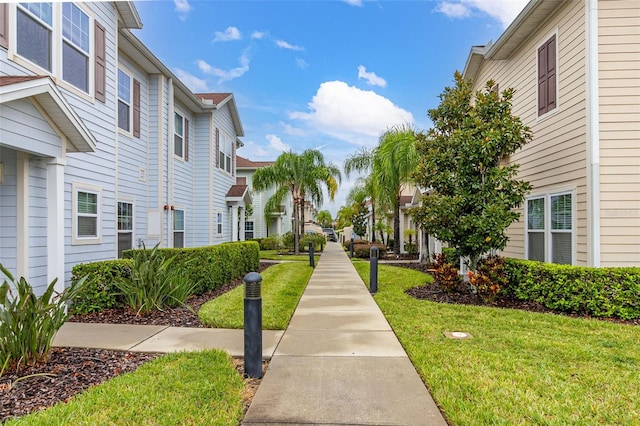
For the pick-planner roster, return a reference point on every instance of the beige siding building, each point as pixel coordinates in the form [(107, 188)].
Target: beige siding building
[(575, 66)]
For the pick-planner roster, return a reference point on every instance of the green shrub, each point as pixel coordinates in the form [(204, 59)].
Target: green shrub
[(154, 283), (446, 275), (411, 248), (28, 323), (270, 243), (363, 251), (288, 241), (451, 255), (318, 240), (600, 292), (490, 278), (99, 291)]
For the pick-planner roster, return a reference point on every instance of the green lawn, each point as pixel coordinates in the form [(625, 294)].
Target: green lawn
[(520, 367), (282, 287), (187, 388), (274, 255)]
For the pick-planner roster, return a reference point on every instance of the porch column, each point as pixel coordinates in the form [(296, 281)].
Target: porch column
[(241, 211), (279, 225), (55, 221), (234, 223)]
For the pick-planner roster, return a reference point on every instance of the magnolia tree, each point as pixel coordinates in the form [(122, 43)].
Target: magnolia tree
[(473, 191)]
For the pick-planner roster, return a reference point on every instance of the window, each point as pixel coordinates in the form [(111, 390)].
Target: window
[(178, 228), (75, 46), (34, 32), (124, 100), (225, 151), (179, 136), (547, 76), (248, 230), (219, 223), (125, 227), (535, 229), (87, 214), (550, 228)]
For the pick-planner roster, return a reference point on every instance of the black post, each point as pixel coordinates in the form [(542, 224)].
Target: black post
[(373, 270), (253, 325), (351, 246), (312, 261)]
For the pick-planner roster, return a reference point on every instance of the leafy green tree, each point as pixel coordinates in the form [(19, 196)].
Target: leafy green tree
[(464, 162), (359, 218), (344, 216), (302, 176), (390, 165), (324, 218)]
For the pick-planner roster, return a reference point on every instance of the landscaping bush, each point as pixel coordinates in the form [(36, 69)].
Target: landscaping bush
[(411, 248), (288, 241), (270, 243), (446, 275), (451, 255), (28, 323), (154, 282), (212, 266), (347, 243), (600, 292), (99, 291), (363, 251), (489, 279), (318, 240)]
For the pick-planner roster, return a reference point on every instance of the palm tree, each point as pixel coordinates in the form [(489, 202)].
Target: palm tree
[(297, 175), (324, 218), (390, 165), (365, 188)]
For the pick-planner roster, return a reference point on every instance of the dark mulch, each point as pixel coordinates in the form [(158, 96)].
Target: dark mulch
[(75, 369)]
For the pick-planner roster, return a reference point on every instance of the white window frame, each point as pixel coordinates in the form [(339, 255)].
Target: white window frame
[(536, 231), (252, 230), (219, 223), (72, 44), (182, 231), (56, 48), (542, 42), (93, 239), (129, 103), (225, 153), (548, 232), (133, 223), (177, 113)]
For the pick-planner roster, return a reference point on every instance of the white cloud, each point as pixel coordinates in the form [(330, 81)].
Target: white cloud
[(351, 114), (292, 131), (284, 45), (183, 8), (354, 2), (503, 10), (302, 64), (371, 77), (276, 143), (230, 34), (225, 75), (195, 84), (253, 151), (258, 35)]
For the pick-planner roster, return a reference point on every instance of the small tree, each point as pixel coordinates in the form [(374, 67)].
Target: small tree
[(464, 163), (359, 219)]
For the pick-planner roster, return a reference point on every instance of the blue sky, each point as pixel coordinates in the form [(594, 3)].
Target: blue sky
[(330, 75)]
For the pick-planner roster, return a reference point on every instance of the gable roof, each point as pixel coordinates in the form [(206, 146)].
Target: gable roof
[(245, 163), (532, 16), (218, 100), (47, 94)]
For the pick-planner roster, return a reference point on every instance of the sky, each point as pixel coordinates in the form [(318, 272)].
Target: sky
[(328, 75)]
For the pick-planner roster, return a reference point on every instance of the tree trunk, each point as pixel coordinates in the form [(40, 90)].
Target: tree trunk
[(373, 222), (296, 238), (302, 203), (396, 227), (424, 247)]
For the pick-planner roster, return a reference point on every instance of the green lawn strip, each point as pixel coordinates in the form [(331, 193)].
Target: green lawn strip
[(274, 255), (185, 388), (282, 286), (520, 367)]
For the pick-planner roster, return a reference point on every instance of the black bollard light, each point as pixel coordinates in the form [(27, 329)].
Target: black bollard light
[(312, 261), (351, 246), (253, 325), (373, 270)]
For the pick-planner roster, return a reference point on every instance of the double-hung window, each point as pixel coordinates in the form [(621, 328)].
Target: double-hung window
[(219, 223), (550, 230), (34, 28), (225, 152), (181, 137), (178, 228), (125, 227), (75, 46), (124, 100), (248, 230)]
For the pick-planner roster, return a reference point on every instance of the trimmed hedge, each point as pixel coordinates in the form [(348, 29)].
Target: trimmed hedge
[(99, 292), (210, 267), (599, 292), (363, 251)]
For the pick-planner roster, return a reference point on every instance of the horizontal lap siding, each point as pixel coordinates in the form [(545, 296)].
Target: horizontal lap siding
[(37, 225), (619, 66), (8, 211), (183, 181), (556, 157), (200, 144), (24, 128), (223, 180)]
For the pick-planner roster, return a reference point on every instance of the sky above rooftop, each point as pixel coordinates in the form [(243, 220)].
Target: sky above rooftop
[(328, 75)]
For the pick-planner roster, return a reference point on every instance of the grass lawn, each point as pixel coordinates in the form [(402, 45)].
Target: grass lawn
[(519, 367), (282, 287), (274, 255), (187, 388)]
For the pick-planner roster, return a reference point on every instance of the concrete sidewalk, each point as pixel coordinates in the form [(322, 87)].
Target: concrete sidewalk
[(339, 362)]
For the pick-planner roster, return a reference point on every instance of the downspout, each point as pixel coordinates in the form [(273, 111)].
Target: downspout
[(170, 131), (593, 132)]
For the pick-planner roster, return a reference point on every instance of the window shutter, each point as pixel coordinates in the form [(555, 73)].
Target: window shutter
[(542, 80), (4, 25), (186, 139), (217, 147), (233, 158), (100, 62), (136, 108), (551, 73)]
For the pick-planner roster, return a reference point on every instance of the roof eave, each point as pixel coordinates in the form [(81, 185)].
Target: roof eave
[(128, 14)]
